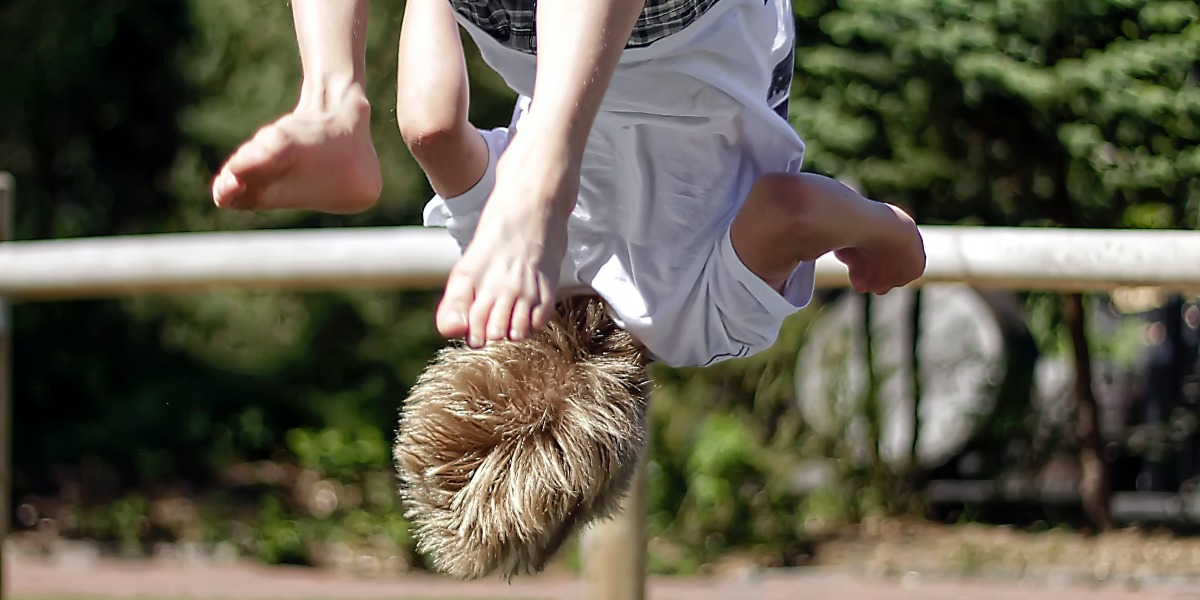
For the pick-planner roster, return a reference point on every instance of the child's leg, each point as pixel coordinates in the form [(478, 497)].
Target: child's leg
[(319, 156), (432, 99), (791, 218)]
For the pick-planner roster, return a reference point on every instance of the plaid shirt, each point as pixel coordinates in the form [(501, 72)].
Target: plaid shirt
[(512, 23)]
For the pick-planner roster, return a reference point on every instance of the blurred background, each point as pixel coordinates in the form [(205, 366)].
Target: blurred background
[(898, 431)]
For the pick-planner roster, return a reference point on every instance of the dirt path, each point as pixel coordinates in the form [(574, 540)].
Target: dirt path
[(27, 578)]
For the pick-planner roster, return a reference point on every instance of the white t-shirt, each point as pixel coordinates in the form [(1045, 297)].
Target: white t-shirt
[(687, 126)]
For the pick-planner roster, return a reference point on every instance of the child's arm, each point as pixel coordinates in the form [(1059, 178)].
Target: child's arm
[(506, 281), (579, 44), (578, 47)]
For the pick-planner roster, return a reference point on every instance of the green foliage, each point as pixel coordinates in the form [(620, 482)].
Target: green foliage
[(1119, 342), (116, 115), (334, 453), (1007, 111), (726, 441), (117, 120)]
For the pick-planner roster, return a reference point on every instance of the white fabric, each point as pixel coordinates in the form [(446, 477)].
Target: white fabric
[(684, 131)]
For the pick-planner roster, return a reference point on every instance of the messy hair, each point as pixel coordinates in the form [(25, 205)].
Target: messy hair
[(504, 452)]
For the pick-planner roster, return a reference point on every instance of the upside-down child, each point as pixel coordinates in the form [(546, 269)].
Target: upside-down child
[(648, 161)]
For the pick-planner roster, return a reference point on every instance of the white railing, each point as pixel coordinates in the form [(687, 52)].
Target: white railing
[(413, 257), (417, 257)]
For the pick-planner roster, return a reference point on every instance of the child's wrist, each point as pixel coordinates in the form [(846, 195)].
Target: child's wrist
[(556, 136)]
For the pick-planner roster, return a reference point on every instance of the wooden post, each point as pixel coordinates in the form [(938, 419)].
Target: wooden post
[(6, 227), (614, 551)]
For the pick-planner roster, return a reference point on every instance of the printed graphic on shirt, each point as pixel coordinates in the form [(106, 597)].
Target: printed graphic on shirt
[(513, 22), (781, 84)]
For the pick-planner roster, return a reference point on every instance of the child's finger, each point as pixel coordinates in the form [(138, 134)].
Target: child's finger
[(477, 319), (540, 313), (452, 312), (522, 317), (501, 314)]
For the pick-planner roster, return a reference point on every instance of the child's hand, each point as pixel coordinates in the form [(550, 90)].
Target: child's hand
[(504, 285), (893, 257)]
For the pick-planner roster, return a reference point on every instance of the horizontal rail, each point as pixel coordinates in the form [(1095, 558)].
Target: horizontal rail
[(417, 257), (301, 259), (1066, 260)]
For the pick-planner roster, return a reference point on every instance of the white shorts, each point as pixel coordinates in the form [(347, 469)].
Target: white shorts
[(698, 311), (687, 126)]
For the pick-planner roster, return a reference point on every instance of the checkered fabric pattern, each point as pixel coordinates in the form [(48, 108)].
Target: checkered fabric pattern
[(512, 22)]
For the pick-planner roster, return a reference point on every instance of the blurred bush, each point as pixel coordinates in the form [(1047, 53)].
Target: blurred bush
[(263, 420)]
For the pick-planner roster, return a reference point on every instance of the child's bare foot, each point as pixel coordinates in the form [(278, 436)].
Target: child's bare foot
[(890, 255), (314, 158), (504, 285)]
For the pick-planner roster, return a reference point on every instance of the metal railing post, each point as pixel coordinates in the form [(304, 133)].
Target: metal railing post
[(7, 189), (614, 551)]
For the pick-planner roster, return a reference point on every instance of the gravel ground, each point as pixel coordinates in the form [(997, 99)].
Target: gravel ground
[(879, 561), (1117, 556), (28, 578)]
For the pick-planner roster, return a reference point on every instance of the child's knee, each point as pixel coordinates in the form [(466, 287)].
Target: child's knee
[(423, 127), (429, 135)]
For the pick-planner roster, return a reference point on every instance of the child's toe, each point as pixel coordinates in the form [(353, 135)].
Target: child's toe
[(226, 188)]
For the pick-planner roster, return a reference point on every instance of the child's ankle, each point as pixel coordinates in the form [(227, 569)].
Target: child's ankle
[(329, 94)]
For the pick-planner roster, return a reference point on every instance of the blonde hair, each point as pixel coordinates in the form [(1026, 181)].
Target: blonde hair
[(503, 452)]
